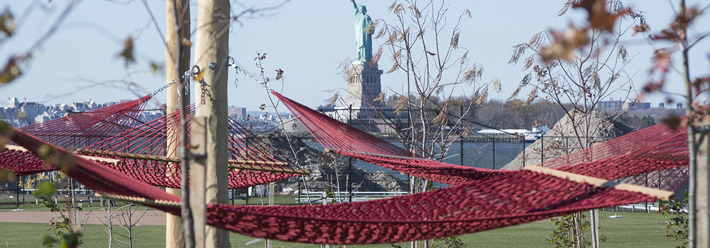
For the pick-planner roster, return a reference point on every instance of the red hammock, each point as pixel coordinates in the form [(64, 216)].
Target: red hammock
[(245, 149), (117, 128), (76, 131), (497, 201), (655, 155), (346, 140)]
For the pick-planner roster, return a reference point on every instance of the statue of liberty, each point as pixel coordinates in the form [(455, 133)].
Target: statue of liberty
[(363, 37)]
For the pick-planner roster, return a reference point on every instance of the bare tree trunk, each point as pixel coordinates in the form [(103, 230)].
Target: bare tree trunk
[(699, 225), (576, 232), (177, 61), (594, 219), (209, 171), (270, 243), (110, 225)]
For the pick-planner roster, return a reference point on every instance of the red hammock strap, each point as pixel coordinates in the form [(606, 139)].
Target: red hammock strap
[(336, 135)]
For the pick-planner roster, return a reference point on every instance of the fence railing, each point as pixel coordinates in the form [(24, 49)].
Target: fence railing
[(317, 197)]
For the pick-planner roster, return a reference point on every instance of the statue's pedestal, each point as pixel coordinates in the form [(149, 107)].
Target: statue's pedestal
[(364, 86)]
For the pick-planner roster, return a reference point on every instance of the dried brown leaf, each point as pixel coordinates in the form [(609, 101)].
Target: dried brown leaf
[(375, 58), (455, 40), (370, 29), (480, 100), (565, 7), (7, 24), (497, 86), (532, 96), (535, 39), (127, 52), (399, 106), (331, 100), (528, 62), (623, 54), (516, 92), (279, 74), (380, 97), (10, 72), (518, 51)]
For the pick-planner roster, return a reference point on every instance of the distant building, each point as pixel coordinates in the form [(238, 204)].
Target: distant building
[(661, 105), (237, 112), (23, 113), (12, 102), (43, 117), (679, 105), (32, 109), (636, 105), (619, 104), (611, 104)]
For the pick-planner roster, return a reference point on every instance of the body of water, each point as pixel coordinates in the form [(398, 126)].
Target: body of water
[(479, 155)]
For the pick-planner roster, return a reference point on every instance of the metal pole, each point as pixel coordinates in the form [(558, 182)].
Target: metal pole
[(523, 152), (350, 160), (542, 148), (494, 152), (299, 192), (461, 140), (17, 199)]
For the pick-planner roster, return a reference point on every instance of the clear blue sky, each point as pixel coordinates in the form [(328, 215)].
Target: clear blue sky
[(308, 39)]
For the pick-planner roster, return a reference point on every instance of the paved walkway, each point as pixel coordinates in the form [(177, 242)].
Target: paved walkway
[(152, 217)]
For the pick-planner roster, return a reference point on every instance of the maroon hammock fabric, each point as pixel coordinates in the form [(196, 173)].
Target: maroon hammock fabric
[(350, 141), (655, 156), (117, 128), (91, 174), (76, 131), (496, 201), (150, 139)]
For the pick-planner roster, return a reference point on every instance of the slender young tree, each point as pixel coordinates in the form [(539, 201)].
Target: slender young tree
[(682, 39), (578, 68), (423, 43)]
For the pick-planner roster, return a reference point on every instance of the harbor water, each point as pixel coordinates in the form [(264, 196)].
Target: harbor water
[(479, 155)]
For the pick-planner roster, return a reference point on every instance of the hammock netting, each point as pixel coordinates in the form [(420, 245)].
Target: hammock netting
[(481, 200), (655, 156), (117, 130), (347, 140), (496, 201), (245, 149), (75, 131), (425, 168)]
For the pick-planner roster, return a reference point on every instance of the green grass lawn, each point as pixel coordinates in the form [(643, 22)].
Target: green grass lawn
[(633, 230)]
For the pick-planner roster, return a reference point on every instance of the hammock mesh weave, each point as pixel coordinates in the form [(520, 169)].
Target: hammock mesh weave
[(496, 201), (117, 128), (655, 156)]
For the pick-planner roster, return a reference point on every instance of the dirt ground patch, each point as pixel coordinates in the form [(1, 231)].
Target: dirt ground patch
[(152, 217)]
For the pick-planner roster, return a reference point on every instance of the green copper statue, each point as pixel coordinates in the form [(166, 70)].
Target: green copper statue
[(363, 37)]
